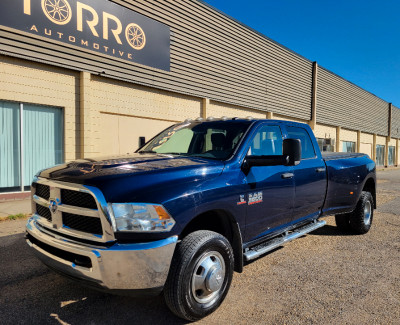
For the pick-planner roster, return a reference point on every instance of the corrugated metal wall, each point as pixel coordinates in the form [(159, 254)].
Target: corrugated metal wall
[(211, 56), (289, 83), (340, 102), (395, 122), (216, 57)]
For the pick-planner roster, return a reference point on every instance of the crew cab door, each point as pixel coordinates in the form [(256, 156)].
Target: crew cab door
[(269, 189), (309, 176)]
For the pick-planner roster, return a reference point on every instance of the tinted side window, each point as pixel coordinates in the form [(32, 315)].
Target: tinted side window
[(307, 149), (267, 142)]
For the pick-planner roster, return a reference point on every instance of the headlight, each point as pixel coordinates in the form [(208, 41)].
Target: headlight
[(141, 217)]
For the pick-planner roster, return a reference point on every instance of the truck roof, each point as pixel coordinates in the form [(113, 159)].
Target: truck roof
[(249, 118)]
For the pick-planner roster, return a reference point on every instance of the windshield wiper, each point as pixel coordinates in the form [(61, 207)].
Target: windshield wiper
[(206, 157), (147, 151), (175, 153)]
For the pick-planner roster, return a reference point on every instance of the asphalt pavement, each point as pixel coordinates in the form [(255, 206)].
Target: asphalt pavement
[(326, 277)]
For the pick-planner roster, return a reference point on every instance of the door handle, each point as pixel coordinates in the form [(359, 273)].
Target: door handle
[(287, 175), (320, 170)]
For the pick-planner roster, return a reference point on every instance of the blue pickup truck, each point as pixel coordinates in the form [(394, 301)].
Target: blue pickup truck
[(192, 206)]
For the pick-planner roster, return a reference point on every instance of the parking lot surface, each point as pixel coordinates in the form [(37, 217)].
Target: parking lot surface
[(326, 277)]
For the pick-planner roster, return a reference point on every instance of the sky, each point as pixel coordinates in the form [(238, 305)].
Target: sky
[(357, 39)]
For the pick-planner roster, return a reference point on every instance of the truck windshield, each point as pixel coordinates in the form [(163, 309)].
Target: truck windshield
[(214, 139)]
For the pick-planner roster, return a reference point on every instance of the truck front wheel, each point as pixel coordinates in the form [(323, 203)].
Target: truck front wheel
[(200, 275), (360, 220)]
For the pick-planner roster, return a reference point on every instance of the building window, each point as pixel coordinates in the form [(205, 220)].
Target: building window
[(380, 155), (391, 155), (31, 139), (326, 144), (349, 146)]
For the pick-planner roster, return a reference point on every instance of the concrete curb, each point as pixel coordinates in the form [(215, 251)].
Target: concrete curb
[(15, 207)]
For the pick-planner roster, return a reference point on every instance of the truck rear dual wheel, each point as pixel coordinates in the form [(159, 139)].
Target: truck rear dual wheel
[(360, 220), (200, 275)]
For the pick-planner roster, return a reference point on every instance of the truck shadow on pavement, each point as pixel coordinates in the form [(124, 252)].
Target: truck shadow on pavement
[(329, 230), (32, 294)]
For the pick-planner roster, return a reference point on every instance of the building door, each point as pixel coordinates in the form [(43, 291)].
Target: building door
[(31, 139), (10, 147), (391, 155), (380, 155), (366, 148)]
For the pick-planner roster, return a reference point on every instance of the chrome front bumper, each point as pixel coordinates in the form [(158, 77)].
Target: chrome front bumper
[(120, 267)]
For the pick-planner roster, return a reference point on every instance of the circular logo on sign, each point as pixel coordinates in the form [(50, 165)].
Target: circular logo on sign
[(58, 11), (135, 36)]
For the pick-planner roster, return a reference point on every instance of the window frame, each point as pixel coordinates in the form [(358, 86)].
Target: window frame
[(393, 155), (22, 188), (256, 131), (308, 134), (247, 129), (383, 147), (323, 144), (353, 146)]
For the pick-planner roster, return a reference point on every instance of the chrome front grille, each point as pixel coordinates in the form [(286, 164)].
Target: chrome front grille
[(43, 212), (72, 209), (78, 199), (43, 191), (82, 223)]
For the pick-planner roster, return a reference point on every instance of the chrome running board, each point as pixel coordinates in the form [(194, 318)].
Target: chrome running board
[(276, 242)]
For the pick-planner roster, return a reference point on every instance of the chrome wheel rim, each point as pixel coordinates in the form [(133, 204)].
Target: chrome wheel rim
[(208, 277), (367, 212)]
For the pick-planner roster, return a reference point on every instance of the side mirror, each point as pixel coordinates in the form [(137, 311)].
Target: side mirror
[(253, 161), (142, 141), (292, 150), (291, 157)]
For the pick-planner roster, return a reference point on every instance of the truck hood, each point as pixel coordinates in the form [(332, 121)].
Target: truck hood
[(132, 177)]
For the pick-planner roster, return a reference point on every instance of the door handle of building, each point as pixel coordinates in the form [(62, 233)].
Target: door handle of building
[(287, 175), (320, 170)]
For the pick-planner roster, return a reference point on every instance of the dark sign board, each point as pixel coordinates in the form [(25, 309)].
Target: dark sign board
[(97, 25)]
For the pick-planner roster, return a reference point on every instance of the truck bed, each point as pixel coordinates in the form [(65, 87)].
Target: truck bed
[(346, 173), (340, 155)]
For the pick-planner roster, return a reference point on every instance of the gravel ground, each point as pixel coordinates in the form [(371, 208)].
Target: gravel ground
[(326, 277)]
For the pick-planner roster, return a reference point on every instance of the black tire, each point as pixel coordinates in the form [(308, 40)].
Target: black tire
[(360, 220), (194, 257)]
